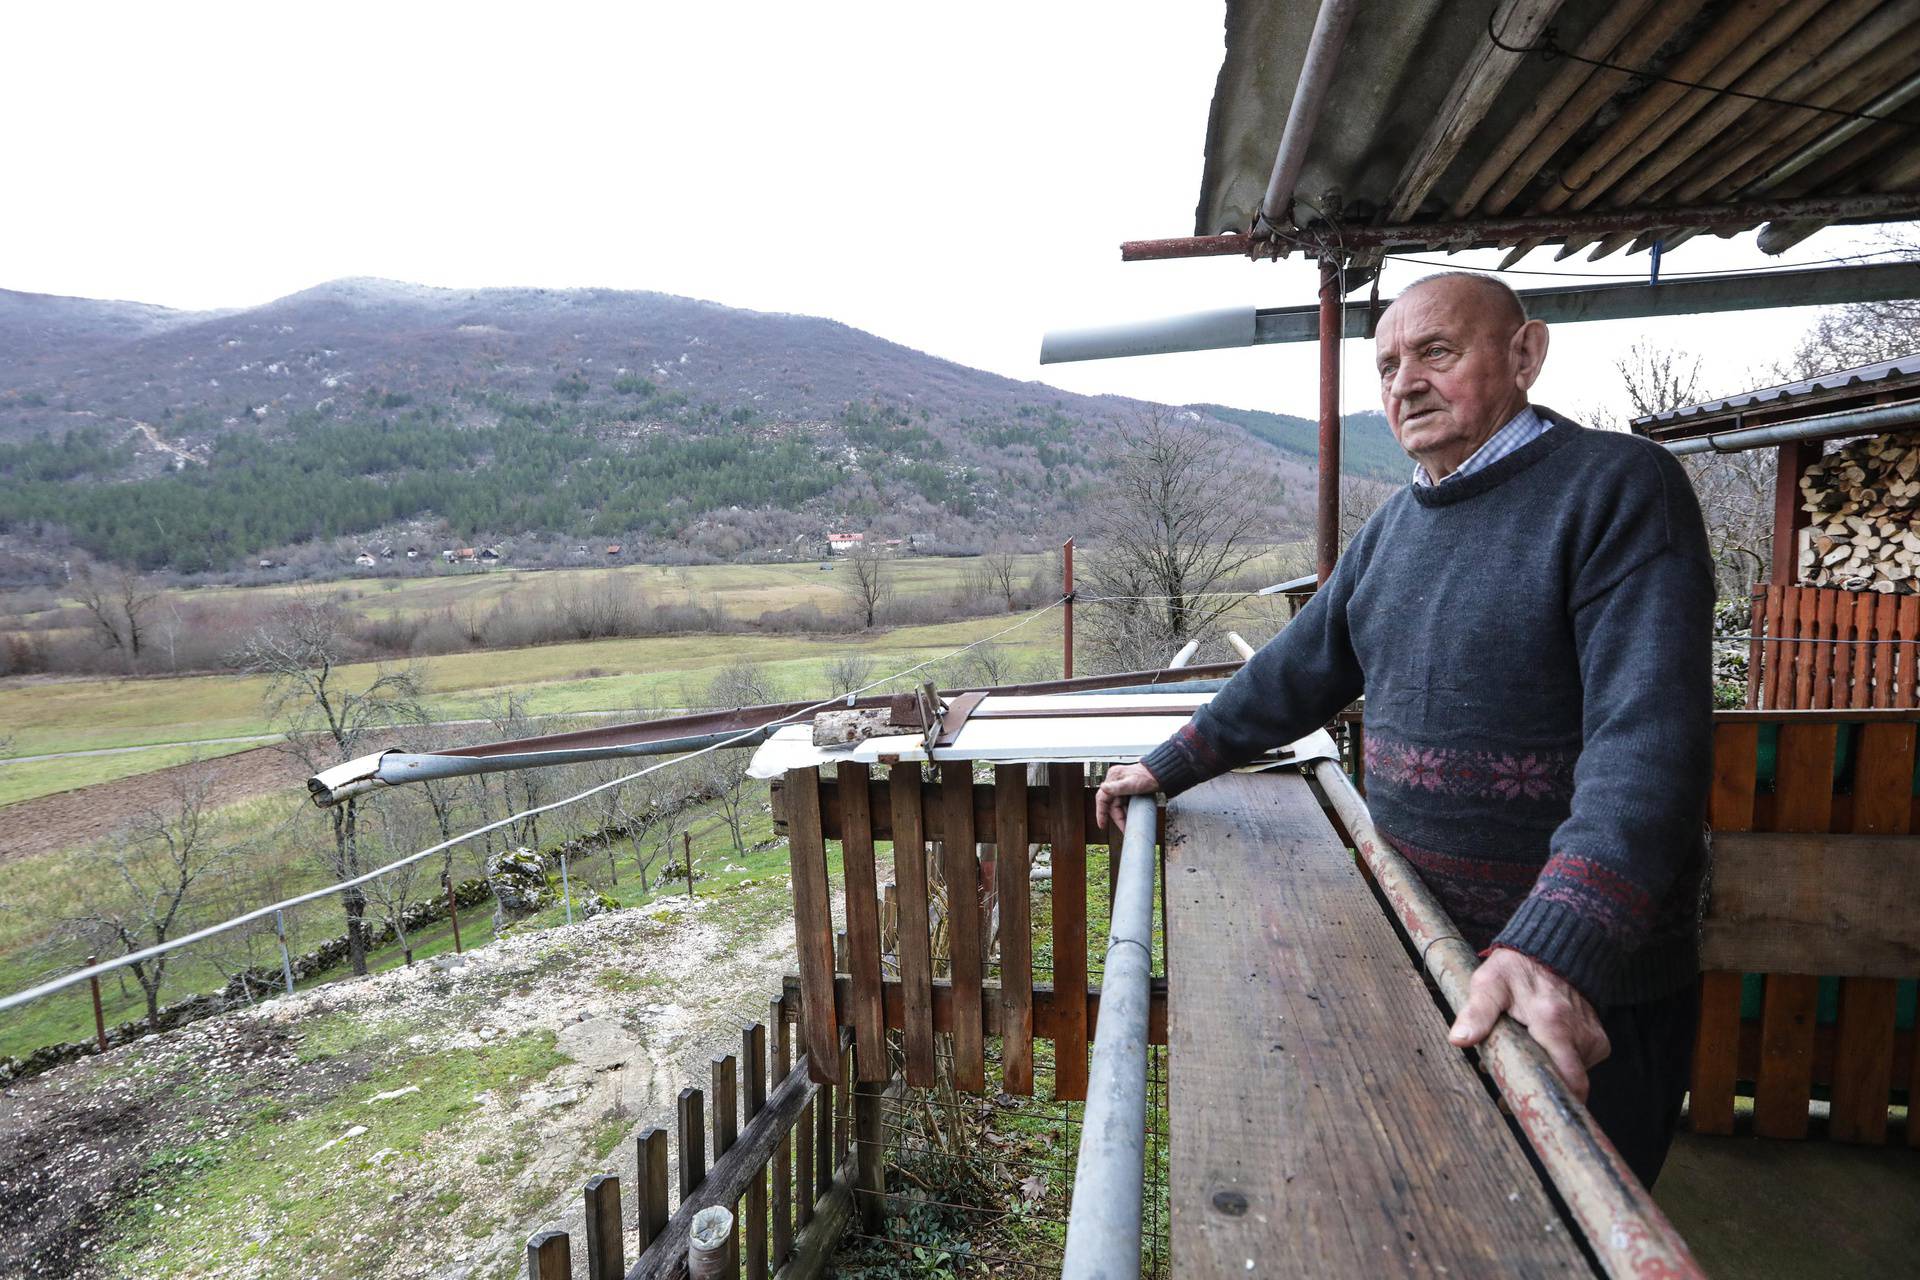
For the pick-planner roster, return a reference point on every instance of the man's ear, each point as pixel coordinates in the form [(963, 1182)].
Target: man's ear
[(1528, 349)]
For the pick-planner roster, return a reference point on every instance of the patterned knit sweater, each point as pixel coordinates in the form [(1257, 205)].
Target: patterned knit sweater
[(1534, 644)]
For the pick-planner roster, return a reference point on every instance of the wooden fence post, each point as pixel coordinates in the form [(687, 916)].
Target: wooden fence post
[(99, 1015), (753, 1054), (650, 1185), (686, 843), (606, 1244), (549, 1257), (726, 1111), (693, 1143), (783, 1150), (870, 1154)]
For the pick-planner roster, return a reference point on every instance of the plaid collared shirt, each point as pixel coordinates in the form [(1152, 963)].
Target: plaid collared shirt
[(1524, 428)]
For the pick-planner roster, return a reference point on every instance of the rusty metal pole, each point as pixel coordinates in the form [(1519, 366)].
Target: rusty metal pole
[(1326, 525), (453, 911), (686, 843), (99, 1016), (1066, 592)]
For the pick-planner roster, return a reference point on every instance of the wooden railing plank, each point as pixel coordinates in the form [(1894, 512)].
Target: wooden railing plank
[(1823, 630), (726, 1129), (916, 940), (1803, 629), (753, 1060), (1908, 629), (650, 1207), (606, 1240), (1863, 1054), (781, 1168), (1016, 930), (863, 918), (812, 915), (550, 1256), (1717, 1040), (1069, 838), (1885, 615), (963, 922), (1803, 791)]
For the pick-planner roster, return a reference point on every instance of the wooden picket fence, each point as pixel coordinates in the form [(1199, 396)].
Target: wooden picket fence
[(1811, 936), (1814, 648), (793, 1157), (913, 811)]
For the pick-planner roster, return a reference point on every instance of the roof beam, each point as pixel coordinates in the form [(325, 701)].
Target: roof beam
[(1248, 327), (1500, 232)]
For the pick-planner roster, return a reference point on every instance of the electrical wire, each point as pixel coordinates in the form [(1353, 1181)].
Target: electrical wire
[(260, 913)]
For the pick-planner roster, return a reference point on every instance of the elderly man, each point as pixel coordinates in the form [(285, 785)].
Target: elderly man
[(1530, 622)]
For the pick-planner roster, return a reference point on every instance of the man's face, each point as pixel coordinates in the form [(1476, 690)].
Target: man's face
[(1454, 368)]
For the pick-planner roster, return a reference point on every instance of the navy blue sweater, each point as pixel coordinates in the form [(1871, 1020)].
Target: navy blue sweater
[(1534, 645)]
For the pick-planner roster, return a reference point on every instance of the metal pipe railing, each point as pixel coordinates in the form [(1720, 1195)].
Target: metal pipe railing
[(1860, 422), (1103, 1226)]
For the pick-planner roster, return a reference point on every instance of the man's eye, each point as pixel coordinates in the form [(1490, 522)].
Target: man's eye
[(1435, 352), (1386, 370)]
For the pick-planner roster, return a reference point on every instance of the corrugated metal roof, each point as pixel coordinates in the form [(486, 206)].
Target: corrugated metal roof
[(1398, 68), (1899, 374)]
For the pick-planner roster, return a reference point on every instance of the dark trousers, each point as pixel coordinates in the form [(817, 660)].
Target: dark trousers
[(1635, 1094)]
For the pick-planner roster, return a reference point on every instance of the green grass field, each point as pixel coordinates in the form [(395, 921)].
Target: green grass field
[(45, 716)]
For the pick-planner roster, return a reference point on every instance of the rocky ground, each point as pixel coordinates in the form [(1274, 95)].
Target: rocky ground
[(419, 1124)]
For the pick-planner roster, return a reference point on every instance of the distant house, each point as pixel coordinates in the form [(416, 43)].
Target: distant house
[(365, 560), (841, 543), (490, 554), (267, 564), (413, 553), (386, 553), (578, 551), (460, 555), (613, 548)]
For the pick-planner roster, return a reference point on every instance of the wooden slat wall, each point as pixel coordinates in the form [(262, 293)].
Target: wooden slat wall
[(861, 810), (1821, 647), (1862, 1058)]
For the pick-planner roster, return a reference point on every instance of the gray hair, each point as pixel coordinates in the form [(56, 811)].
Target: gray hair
[(1489, 285)]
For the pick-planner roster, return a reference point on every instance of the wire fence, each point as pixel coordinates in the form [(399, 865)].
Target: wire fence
[(148, 954)]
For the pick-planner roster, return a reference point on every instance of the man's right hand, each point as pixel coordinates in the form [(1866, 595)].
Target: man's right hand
[(1123, 782)]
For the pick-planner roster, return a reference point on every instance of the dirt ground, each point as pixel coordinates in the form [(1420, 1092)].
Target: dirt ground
[(638, 1001), (65, 819)]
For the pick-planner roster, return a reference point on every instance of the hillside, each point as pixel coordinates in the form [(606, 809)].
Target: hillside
[(366, 407)]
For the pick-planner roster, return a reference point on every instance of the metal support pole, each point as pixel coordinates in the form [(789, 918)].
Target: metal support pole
[(1326, 525), (286, 960), (686, 844), (453, 911), (1066, 592), (99, 1015), (1103, 1226), (566, 886)]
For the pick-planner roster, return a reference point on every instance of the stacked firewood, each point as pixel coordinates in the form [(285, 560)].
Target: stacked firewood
[(1865, 503)]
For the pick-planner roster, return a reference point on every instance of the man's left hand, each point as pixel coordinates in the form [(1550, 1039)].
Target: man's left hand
[(1554, 1013)]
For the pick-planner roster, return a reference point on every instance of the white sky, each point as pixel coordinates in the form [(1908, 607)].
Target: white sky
[(956, 178)]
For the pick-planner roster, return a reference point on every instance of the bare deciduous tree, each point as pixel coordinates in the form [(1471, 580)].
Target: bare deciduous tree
[(1174, 527), (848, 672), (741, 684), (1735, 489), (999, 571), (327, 717), (120, 603), (868, 581), (147, 875)]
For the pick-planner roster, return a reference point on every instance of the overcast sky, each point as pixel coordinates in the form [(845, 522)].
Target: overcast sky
[(956, 178)]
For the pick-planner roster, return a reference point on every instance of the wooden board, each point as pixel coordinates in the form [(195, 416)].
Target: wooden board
[(812, 919), (1016, 930), (916, 941), (1069, 837), (1803, 801), (863, 921), (1786, 903), (1863, 1055), (1716, 1048), (964, 935), (1320, 1123)]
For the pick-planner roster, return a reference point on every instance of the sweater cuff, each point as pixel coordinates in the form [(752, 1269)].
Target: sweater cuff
[(1183, 762), (1571, 944)]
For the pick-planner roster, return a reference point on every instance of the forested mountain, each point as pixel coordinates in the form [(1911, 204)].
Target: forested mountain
[(199, 441)]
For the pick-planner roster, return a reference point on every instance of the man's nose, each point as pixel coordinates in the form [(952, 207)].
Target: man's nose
[(1407, 380)]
